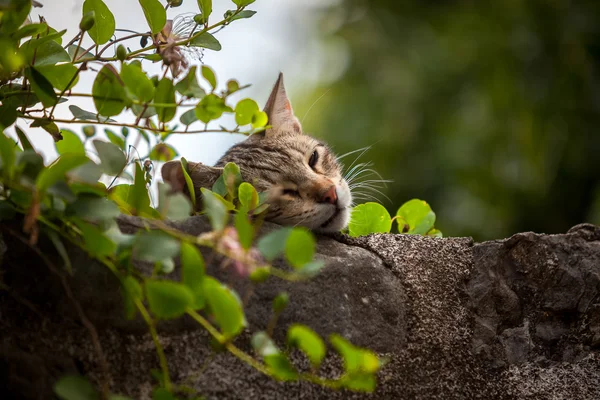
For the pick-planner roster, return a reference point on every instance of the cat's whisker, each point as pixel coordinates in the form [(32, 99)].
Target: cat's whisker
[(368, 173), (313, 104), (364, 150), (370, 182), (357, 170), (374, 190), (354, 151)]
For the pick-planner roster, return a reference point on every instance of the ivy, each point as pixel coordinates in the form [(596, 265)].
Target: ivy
[(76, 199)]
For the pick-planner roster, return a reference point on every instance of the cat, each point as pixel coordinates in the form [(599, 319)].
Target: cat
[(300, 174)]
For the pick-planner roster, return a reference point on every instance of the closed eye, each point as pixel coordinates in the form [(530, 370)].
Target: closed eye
[(312, 161), (291, 192)]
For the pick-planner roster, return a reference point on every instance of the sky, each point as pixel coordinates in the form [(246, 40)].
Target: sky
[(280, 37)]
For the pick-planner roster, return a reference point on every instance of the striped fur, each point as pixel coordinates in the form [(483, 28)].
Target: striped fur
[(277, 162)]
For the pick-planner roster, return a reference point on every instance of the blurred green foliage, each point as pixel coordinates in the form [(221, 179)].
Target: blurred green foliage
[(489, 110)]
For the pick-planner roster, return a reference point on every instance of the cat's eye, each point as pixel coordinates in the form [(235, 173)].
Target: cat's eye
[(291, 192), (312, 161)]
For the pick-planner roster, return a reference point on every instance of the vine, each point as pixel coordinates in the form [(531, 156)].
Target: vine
[(67, 201)]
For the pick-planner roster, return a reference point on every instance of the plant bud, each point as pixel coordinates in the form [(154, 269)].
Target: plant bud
[(280, 302), (89, 130), (121, 53), (174, 3), (87, 21), (199, 19)]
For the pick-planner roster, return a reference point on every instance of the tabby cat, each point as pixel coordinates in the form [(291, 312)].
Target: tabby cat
[(301, 176)]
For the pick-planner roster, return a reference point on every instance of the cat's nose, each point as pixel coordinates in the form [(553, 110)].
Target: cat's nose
[(329, 196)]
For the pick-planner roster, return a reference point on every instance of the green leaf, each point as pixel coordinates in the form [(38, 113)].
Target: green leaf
[(45, 50), (83, 115), (311, 269), (189, 183), (137, 82), (132, 291), (71, 143), (355, 358), (8, 115), (29, 30), (280, 367), (93, 208), (138, 197), (209, 75), (244, 229), (243, 3), (369, 218), (219, 186), (173, 206), (259, 119), (108, 91), (205, 7), (58, 170), (82, 54), (29, 165), (160, 393), (89, 173), (75, 388), (280, 302), (155, 246), (14, 13), (49, 126), (308, 341), (360, 382), (112, 158), (232, 178), (115, 139), (247, 196), (41, 87), (216, 210), (244, 111), (435, 233), (193, 272), (165, 94), (163, 152), (155, 14), (243, 14), (168, 299), (225, 307), (104, 27), (211, 107), (188, 117), (273, 244), (25, 143), (207, 41), (299, 247), (417, 214), (189, 86), (60, 75), (97, 243)]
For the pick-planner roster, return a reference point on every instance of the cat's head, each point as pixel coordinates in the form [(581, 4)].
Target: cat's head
[(300, 174)]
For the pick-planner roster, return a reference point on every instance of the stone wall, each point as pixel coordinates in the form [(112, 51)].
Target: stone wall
[(509, 319)]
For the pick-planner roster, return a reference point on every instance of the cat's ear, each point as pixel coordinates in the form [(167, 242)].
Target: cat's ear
[(202, 176), (279, 110)]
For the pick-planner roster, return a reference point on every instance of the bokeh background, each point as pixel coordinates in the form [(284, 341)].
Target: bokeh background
[(490, 111)]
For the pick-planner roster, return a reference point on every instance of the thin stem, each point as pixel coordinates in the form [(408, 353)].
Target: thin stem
[(159, 349), (78, 46), (111, 43), (68, 121), (233, 349)]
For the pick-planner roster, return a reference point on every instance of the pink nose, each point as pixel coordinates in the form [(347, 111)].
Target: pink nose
[(329, 196)]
